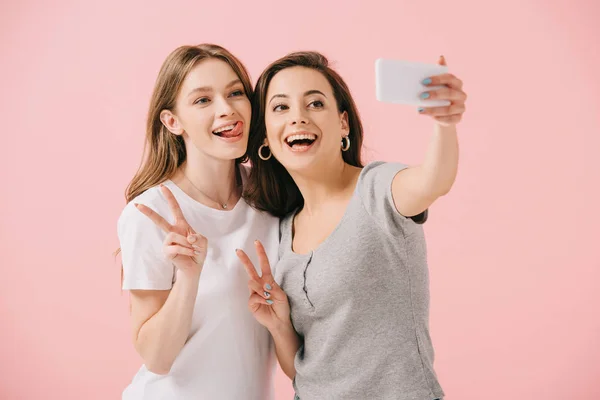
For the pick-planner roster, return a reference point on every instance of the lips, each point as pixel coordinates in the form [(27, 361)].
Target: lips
[(301, 140), (229, 131)]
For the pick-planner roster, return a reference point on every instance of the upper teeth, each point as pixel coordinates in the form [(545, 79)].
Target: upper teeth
[(225, 128), (309, 136)]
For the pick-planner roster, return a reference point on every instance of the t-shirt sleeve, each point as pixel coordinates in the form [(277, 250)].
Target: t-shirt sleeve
[(375, 186), (144, 264)]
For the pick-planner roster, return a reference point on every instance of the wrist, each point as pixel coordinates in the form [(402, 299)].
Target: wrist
[(445, 129), (191, 275), (282, 329)]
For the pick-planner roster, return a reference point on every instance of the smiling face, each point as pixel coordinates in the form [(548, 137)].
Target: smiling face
[(303, 125), (212, 111)]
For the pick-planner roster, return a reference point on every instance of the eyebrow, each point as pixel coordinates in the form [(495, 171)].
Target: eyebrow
[(307, 93), (209, 88)]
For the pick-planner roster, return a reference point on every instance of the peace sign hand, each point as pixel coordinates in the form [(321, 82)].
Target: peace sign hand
[(268, 302), (183, 246)]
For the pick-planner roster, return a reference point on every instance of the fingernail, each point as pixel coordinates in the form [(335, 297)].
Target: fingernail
[(267, 294), (268, 287), (421, 109), (136, 205), (196, 247), (191, 238), (197, 252), (426, 81), (269, 302), (425, 95)]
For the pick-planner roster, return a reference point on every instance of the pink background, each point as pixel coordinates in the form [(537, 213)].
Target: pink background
[(514, 249)]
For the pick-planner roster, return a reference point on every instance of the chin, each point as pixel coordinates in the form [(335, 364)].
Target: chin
[(235, 153), (302, 165)]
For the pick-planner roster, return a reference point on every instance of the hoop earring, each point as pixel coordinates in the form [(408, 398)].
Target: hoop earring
[(260, 153), (346, 143)]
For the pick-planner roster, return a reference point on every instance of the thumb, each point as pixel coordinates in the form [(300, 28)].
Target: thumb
[(192, 236), (277, 292), (442, 60)]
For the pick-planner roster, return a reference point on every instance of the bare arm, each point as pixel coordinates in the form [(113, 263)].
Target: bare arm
[(287, 344), (415, 189), (162, 319), (161, 322), (270, 306)]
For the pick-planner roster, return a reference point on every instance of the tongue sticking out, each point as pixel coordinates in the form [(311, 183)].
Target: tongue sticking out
[(236, 131)]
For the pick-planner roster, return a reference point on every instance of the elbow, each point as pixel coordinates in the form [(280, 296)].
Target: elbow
[(444, 191), (437, 190), (291, 374), (438, 187), (154, 362), (446, 186), (158, 368)]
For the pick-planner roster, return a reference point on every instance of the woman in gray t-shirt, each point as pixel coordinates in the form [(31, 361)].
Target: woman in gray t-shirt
[(352, 257)]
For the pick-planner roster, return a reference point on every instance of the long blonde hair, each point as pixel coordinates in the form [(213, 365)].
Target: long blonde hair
[(164, 152)]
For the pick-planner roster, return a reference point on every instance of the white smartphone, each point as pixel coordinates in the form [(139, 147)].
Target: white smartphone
[(400, 82)]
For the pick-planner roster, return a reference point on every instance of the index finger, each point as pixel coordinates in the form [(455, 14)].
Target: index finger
[(247, 264), (173, 204), (153, 215), (265, 267), (444, 79)]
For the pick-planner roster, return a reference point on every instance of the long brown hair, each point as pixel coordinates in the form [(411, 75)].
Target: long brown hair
[(270, 187), (164, 152)]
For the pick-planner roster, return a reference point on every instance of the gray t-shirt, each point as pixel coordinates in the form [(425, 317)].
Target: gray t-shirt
[(360, 301)]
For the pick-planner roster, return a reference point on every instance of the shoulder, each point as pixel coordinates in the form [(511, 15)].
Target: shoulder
[(379, 174), (151, 198), (375, 188), (286, 222), (381, 167)]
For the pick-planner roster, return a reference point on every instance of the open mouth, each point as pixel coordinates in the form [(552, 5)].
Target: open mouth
[(229, 131), (300, 142)]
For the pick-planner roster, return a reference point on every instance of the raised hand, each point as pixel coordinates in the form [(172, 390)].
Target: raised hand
[(452, 114), (268, 302), (183, 246)]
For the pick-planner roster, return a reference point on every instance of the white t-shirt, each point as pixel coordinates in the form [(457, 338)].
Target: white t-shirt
[(228, 355)]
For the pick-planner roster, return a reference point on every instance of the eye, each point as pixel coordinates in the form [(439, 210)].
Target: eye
[(202, 100), (316, 104), (237, 93), (280, 107)]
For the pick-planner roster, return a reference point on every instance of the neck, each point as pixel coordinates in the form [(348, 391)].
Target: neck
[(320, 186), (215, 179)]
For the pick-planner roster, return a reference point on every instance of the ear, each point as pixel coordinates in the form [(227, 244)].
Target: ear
[(266, 142), (345, 124), (171, 122)]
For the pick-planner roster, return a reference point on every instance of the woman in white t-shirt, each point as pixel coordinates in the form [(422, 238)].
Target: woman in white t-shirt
[(188, 290)]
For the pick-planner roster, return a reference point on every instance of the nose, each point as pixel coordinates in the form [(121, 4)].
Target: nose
[(224, 109), (298, 117), (301, 121)]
